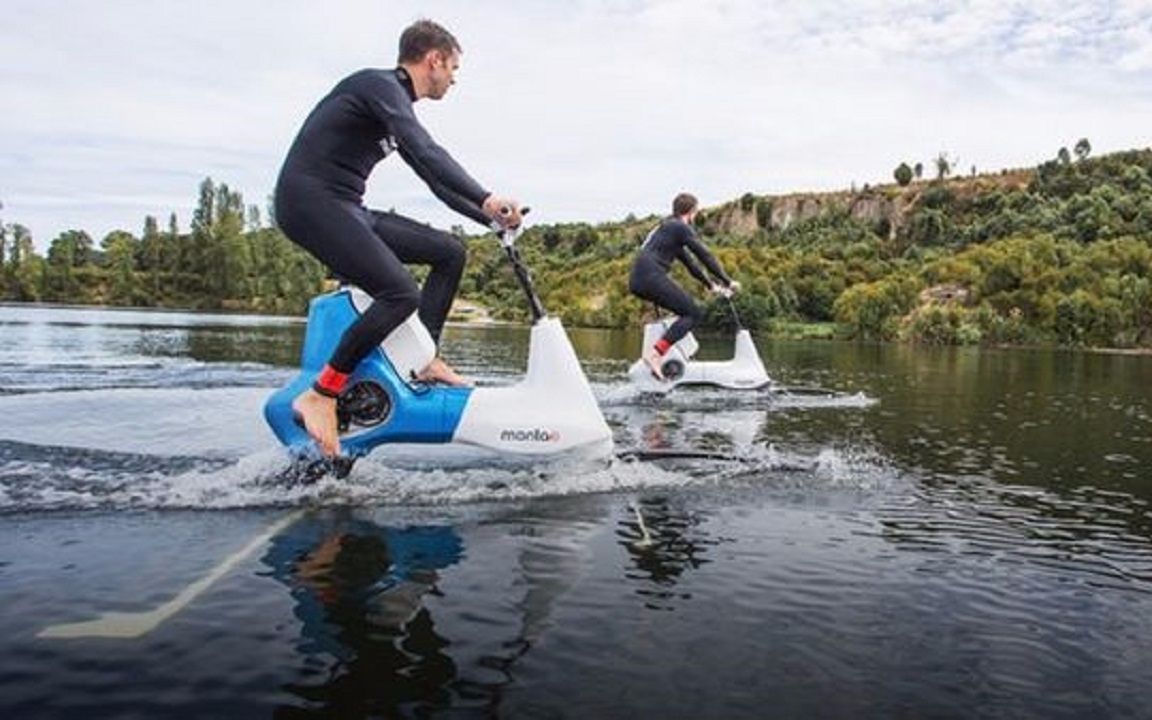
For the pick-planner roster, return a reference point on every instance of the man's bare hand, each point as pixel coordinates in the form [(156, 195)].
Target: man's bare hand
[(505, 211)]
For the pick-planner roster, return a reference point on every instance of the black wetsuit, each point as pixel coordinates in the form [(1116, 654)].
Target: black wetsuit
[(319, 205), (672, 240)]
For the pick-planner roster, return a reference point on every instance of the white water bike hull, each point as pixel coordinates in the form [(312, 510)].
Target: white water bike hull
[(745, 371)]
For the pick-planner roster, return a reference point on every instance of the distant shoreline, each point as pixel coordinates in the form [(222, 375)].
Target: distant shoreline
[(146, 308), (485, 321)]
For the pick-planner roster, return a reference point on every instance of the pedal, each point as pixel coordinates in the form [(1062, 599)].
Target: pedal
[(363, 404), (672, 369)]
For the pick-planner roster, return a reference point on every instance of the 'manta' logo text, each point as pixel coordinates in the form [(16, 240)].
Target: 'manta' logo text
[(535, 435)]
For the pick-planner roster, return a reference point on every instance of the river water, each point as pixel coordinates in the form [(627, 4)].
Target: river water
[(898, 532)]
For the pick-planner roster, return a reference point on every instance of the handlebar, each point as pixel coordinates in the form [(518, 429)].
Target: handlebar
[(508, 235), (508, 240)]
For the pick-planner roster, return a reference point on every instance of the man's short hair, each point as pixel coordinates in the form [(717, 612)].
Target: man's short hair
[(684, 203), (422, 36)]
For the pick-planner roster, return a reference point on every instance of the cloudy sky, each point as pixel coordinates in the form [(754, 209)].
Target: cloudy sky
[(585, 109)]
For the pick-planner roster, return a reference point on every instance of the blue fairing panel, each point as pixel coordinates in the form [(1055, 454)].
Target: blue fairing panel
[(420, 414)]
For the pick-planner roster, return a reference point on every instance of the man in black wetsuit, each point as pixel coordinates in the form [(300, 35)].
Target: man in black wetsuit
[(672, 240), (319, 206)]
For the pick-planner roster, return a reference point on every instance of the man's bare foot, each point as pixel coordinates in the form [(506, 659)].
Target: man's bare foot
[(319, 415), (652, 360), (439, 371)]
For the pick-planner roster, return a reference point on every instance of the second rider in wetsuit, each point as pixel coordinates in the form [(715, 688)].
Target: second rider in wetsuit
[(672, 240), (319, 206)]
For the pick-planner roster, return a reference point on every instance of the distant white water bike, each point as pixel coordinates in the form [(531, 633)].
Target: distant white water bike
[(745, 371), (550, 411)]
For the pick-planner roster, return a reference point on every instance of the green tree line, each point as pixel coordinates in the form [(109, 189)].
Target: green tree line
[(229, 259), (1060, 253)]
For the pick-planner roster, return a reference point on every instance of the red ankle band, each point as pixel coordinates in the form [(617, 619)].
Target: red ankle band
[(330, 382), (662, 346)]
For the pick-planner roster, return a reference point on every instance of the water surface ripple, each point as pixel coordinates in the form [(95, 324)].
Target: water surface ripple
[(896, 532)]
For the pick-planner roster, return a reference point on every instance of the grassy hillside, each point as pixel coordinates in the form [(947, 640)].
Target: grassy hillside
[(1059, 253)]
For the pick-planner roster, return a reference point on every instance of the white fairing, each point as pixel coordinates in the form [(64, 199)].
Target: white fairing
[(685, 349), (409, 347), (551, 410), (745, 371)]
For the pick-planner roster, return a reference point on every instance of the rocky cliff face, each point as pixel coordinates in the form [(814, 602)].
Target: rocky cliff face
[(882, 206)]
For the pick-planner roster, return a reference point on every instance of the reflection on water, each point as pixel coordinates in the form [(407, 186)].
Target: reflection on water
[(381, 606), (368, 645), (665, 542), (393, 619)]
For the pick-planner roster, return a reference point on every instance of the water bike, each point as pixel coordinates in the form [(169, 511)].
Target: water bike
[(550, 411), (745, 371)]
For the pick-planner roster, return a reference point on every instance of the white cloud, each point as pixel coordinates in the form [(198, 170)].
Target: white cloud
[(588, 109)]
